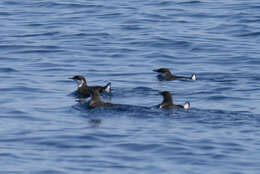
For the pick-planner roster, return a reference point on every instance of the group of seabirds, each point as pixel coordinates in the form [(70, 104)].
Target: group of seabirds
[(94, 92)]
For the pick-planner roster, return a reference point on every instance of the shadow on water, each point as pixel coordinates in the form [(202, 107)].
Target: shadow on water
[(210, 118)]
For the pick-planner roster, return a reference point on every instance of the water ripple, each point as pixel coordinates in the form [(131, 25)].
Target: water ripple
[(45, 130)]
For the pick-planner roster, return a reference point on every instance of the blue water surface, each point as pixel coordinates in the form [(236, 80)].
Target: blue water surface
[(44, 130)]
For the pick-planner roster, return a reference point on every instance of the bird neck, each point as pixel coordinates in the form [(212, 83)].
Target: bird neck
[(81, 83), (167, 99)]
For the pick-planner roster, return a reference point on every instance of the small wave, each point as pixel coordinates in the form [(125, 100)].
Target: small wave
[(110, 15), (97, 35), (8, 70), (223, 97), (166, 3), (252, 34), (138, 146), (65, 5), (37, 51), (5, 14), (190, 2), (24, 89), (31, 49), (36, 35), (132, 27), (12, 2)]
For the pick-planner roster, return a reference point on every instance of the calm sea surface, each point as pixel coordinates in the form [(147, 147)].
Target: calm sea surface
[(44, 130)]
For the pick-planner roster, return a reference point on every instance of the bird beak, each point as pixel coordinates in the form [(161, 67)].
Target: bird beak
[(70, 78)]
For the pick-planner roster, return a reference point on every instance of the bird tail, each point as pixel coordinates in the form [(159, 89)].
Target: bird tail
[(108, 87), (193, 77), (186, 105)]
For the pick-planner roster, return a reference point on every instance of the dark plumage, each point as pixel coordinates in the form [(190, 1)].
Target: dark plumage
[(167, 75), (168, 103), (96, 100), (84, 90)]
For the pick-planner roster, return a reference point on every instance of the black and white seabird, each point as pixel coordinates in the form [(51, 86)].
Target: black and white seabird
[(168, 103), (167, 75), (96, 100), (84, 90)]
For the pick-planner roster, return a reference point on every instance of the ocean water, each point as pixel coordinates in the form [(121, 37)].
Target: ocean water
[(44, 130)]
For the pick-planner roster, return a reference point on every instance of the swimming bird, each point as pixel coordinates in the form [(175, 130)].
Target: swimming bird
[(84, 90), (168, 103), (96, 100), (167, 75)]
